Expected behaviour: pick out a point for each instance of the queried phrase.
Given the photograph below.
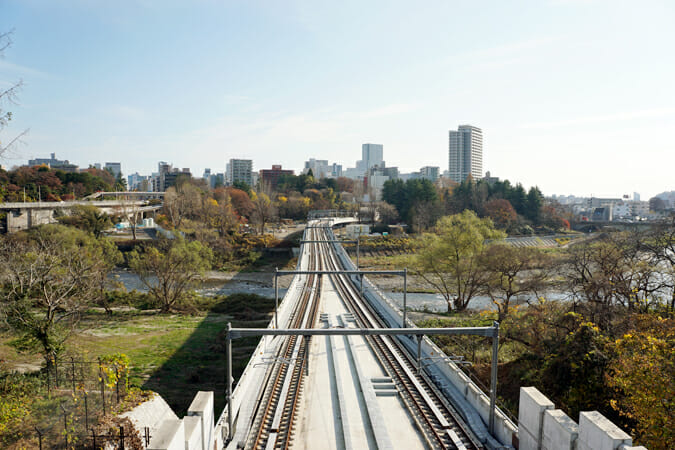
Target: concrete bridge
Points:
(24, 215)
(126, 194)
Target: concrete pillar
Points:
(170, 436)
(596, 432)
(531, 410)
(193, 433)
(559, 431)
(202, 406)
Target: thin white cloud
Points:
(616, 117)
(21, 70)
(388, 110)
(125, 112)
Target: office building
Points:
(137, 182)
(319, 168)
(430, 173)
(465, 153)
(239, 170)
(371, 156)
(114, 167)
(56, 164)
(270, 177)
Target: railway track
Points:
(274, 422)
(437, 420)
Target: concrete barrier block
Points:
(169, 436)
(531, 417)
(202, 406)
(193, 433)
(559, 431)
(151, 414)
(596, 432)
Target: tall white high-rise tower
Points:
(465, 153)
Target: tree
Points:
(120, 183)
(410, 197)
(131, 212)
(512, 271)
(49, 276)
(88, 218)
(533, 204)
(220, 215)
(7, 96)
(657, 204)
(609, 273)
(566, 355)
(501, 212)
(344, 184)
(181, 202)
(643, 370)
(241, 202)
(448, 259)
(263, 210)
(170, 270)
(424, 215)
(387, 213)
(660, 243)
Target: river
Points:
(261, 283)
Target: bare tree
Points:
(511, 272)
(8, 96)
(49, 276)
(660, 243)
(131, 211)
(170, 271)
(182, 202)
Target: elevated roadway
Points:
(356, 389)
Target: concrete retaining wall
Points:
(541, 427)
(196, 431)
(28, 218)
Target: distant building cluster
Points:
(115, 168)
(370, 172)
(594, 209)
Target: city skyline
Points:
(574, 97)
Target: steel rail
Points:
(391, 352)
(274, 420)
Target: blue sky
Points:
(574, 96)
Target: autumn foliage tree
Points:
(501, 212)
(643, 371)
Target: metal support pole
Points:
(405, 297)
(307, 341)
(72, 365)
(361, 286)
(358, 252)
(276, 298)
(86, 412)
(228, 382)
(419, 354)
(493, 378)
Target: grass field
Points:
(175, 355)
